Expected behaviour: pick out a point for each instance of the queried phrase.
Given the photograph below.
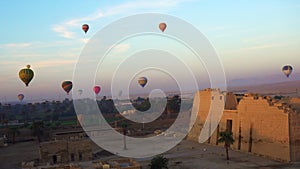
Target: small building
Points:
(65, 151)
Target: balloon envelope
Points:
(67, 86)
(162, 26)
(287, 70)
(85, 28)
(80, 91)
(120, 93)
(142, 81)
(20, 97)
(26, 75)
(97, 89)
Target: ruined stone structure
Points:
(66, 147)
(259, 124)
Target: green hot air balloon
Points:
(67, 86)
(80, 91)
(26, 75)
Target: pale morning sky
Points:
(252, 38)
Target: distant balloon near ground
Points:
(142, 81)
(85, 28)
(287, 70)
(80, 91)
(26, 75)
(120, 93)
(97, 89)
(162, 26)
(20, 97)
(67, 86)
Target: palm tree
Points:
(159, 162)
(226, 138)
(124, 126)
(37, 128)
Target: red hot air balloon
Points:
(85, 28)
(67, 86)
(162, 26)
(97, 89)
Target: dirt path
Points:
(12, 156)
(191, 155)
(186, 155)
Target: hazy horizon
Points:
(253, 39)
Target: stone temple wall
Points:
(257, 125)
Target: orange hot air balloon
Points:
(20, 97)
(67, 86)
(162, 26)
(85, 28)
(97, 89)
(26, 75)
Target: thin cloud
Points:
(15, 45)
(218, 28)
(65, 29)
(262, 46)
(53, 63)
(121, 48)
(84, 40)
(257, 47)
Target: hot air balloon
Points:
(80, 91)
(20, 97)
(26, 75)
(97, 89)
(67, 86)
(142, 81)
(287, 70)
(120, 93)
(85, 28)
(162, 26)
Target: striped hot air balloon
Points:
(67, 86)
(85, 28)
(26, 75)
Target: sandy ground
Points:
(186, 155)
(12, 156)
(191, 155)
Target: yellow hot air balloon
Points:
(26, 75)
(142, 81)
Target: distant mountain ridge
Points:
(291, 88)
(262, 80)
